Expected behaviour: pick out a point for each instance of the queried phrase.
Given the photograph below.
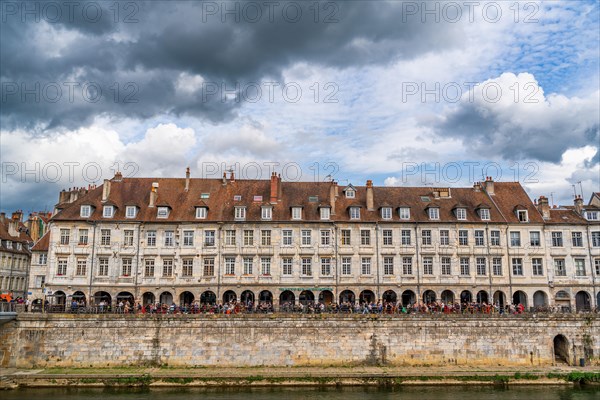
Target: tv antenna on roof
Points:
(552, 198)
(574, 191)
(580, 189)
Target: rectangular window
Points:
(151, 238)
(515, 239)
(306, 266)
(557, 240)
(517, 266)
(149, 268)
(536, 266)
(559, 267)
(591, 215)
(296, 212)
(354, 213)
(426, 237)
(83, 236)
(479, 238)
(596, 239)
(388, 240)
(40, 281)
(306, 237)
(248, 238)
(187, 267)
(168, 268)
(465, 266)
(434, 213)
(265, 266)
(286, 266)
(481, 266)
(444, 237)
(597, 266)
(461, 214)
(365, 237)
(266, 213)
(405, 237)
(484, 214)
(325, 213)
(126, 267)
(388, 265)
(365, 265)
(229, 265)
(169, 235)
(522, 215)
(386, 213)
(188, 238)
(287, 237)
(580, 267)
(64, 236)
(497, 266)
(577, 239)
(427, 265)
(346, 265)
(248, 265)
(345, 237)
(61, 267)
(130, 211)
(265, 237)
(325, 237)
(326, 266)
(495, 238)
(43, 259)
(463, 238)
(407, 266)
(240, 213)
(107, 212)
(81, 267)
(209, 266)
(128, 237)
(105, 237)
(201, 212)
(162, 212)
(446, 265)
(534, 239)
(103, 266)
(230, 237)
(209, 238)
(85, 211)
(404, 213)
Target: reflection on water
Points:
(351, 393)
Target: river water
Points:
(348, 393)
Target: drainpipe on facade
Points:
(337, 263)
(510, 288)
(377, 260)
(137, 266)
(489, 264)
(220, 250)
(92, 264)
(592, 267)
(417, 265)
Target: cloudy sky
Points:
(404, 93)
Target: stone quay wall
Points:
(267, 340)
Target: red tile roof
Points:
(43, 243)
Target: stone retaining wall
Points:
(114, 340)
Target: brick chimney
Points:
(17, 216)
(489, 185)
(2, 217)
(153, 194)
(187, 179)
(578, 205)
(224, 178)
(333, 193)
(63, 196)
(370, 205)
(477, 187)
(13, 224)
(118, 177)
(232, 176)
(274, 188)
(105, 190)
(544, 207)
(279, 188)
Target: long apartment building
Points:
(215, 240)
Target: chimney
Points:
(232, 176)
(279, 188)
(370, 205)
(187, 179)
(332, 195)
(477, 187)
(544, 207)
(153, 194)
(17, 216)
(63, 197)
(578, 205)
(2, 217)
(274, 188)
(224, 178)
(118, 176)
(105, 190)
(489, 185)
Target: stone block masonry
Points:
(34, 341)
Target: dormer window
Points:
(296, 212)
(404, 213)
(325, 213)
(201, 212)
(85, 211)
(267, 213)
(354, 212)
(130, 211)
(386, 212)
(591, 215)
(240, 213)
(108, 211)
(434, 213)
(204, 195)
(162, 212)
(350, 194)
(461, 214)
(522, 215)
(18, 246)
(9, 244)
(484, 214)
